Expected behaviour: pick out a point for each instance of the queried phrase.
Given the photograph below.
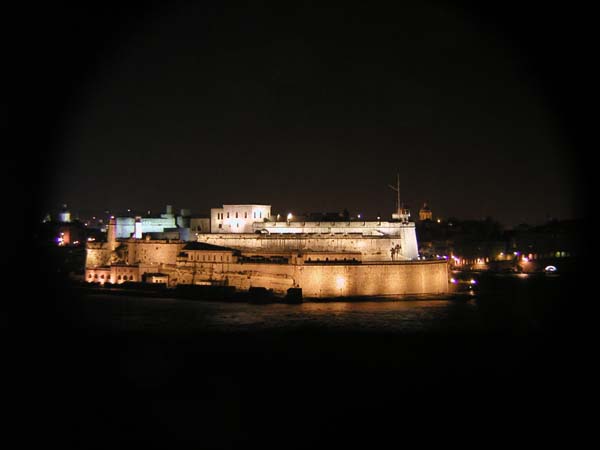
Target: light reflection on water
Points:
(170, 315)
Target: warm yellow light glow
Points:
(289, 216)
(340, 282)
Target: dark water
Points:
(168, 316)
(233, 375)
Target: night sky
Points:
(309, 108)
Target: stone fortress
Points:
(246, 246)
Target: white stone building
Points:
(237, 218)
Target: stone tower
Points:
(111, 234)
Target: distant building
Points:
(168, 222)
(64, 215)
(425, 213)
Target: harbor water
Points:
(224, 375)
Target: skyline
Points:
(85, 215)
(310, 109)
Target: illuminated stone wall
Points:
(372, 248)
(97, 254)
(373, 279)
(278, 277)
(366, 228)
(134, 251)
(152, 252)
(322, 280)
(316, 279)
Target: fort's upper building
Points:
(258, 219)
(237, 218)
(253, 226)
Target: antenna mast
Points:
(401, 214)
(397, 189)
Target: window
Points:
(228, 215)
(236, 215)
(254, 213)
(260, 214)
(245, 215)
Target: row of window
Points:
(108, 277)
(207, 257)
(220, 215)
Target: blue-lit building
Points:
(177, 226)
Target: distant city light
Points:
(289, 216)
